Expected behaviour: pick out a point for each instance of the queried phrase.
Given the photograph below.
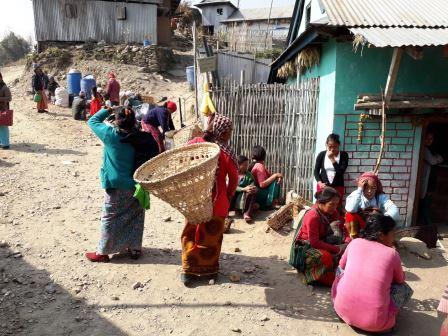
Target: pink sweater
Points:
(361, 296)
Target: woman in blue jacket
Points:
(122, 219)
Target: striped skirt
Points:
(122, 222)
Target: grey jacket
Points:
(5, 96)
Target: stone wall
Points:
(396, 166)
(153, 58)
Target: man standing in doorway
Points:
(429, 179)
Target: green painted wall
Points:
(326, 70)
(366, 72)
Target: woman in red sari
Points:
(318, 225)
(201, 242)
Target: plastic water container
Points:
(87, 83)
(74, 82)
(190, 76)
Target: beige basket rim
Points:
(168, 153)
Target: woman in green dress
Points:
(244, 198)
(269, 184)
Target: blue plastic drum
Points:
(74, 82)
(87, 83)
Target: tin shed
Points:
(83, 20)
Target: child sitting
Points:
(368, 199)
(97, 101)
(244, 198)
(52, 86)
(269, 184)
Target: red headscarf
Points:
(171, 105)
(111, 75)
(221, 124)
(372, 177)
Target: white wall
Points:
(210, 15)
(316, 14)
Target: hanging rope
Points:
(383, 137)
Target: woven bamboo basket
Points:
(184, 178)
(281, 217)
(148, 99)
(186, 134)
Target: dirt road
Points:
(50, 202)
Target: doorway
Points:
(433, 179)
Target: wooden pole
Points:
(393, 72)
(391, 80)
(269, 22)
(196, 100)
(242, 77)
(180, 113)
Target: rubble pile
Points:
(151, 58)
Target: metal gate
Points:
(282, 119)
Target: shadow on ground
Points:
(287, 295)
(32, 304)
(26, 147)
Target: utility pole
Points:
(269, 22)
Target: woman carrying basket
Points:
(201, 242)
(122, 219)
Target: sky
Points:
(17, 15)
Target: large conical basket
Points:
(186, 134)
(184, 178)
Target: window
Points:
(308, 15)
(70, 11)
(121, 13)
(220, 11)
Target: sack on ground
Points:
(62, 97)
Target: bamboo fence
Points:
(282, 119)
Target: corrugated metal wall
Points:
(231, 64)
(95, 20)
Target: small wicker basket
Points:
(186, 134)
(281, 217)
(184, 178)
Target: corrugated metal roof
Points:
(387, 13)
(254, 14)
(401, 37)
(214, 2)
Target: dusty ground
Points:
(50, 200)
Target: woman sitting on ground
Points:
(96, 102)
(369, 288)
(244, 198)
(269, 184)
(320, 227)
(123, 217)
(368, 199)
(201, 242)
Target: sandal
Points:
(187, 279)
(227, 224)
(135, 254)
(95, 257)
(248, 219)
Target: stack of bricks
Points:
(396, 166)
